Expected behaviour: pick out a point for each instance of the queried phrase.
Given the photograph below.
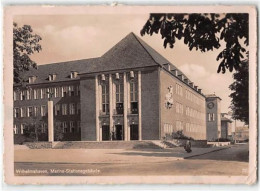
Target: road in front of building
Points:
(228, 161)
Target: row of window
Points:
(120, 98)
(66, 126)
(179, 108)
(43, 93)
(35, 111)
(52, 77)
(188, 95)
(194, 113)
(189, 127)
(193, 98)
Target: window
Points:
(179, 108)
(77, 90)
(72, 126)
(64, 109)
(57, 109)
(52, 77)
(105, 99)
(36, 111)
(22, 95)
(134, 97)
(43, 110)
(72, 108)
(178, 89)
(211, 117)
(29, 94)
(44, 93)
(119, 99)
(179, 125)
(22, 128)
(32, 79)
(44, 128)
(30, 111)
(16, 112)
(71, 91)
(16, 95)
(65, 127)
(78, 108)
(15, 129)
(23, 112)
(64, 90)
(73, 74)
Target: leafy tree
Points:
(239, 103)
(204, 32)
(25, 43)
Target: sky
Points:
(74, 37)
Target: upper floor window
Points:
(57, 109)
(71, 90)
(72, 108)
(211, 116)
(52, 77)
(30, 111)
(16, 112)
(23, 95)
(72, 126)
(134, 96)
(178, 89)
(64, 109)
(32, 79)
(119, 98)
(73, 74)
(105, 98)
(43, 110)
(37, 111)
(15, 129)
(23, 112)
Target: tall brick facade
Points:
(129, 93)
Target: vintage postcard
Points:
(130, 94)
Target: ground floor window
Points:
(134, 134)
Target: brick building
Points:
(129, 93)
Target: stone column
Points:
(50, 121)
(125, 108)
(139, 106)
(110, 103)
(97, 108)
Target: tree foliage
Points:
(25, 43)
(204, 32)
(239, 95)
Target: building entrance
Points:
(105, 133)
(134, 132)
(119, 132)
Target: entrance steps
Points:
(107, 145)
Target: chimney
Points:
(199, 90)
(167, 66)
(191, 84)
(196, 88)
(175, 72)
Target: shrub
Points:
(180, 135)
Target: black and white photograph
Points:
(109, 94)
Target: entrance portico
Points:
(118, 106)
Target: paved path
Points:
(230, 161)
(106, 155)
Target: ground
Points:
(231, 160)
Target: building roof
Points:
(226, 119)
(212, 96)
(131, 52)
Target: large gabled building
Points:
(129, 93)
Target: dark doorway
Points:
(119, 132)
(133, 132)
(105, 133)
